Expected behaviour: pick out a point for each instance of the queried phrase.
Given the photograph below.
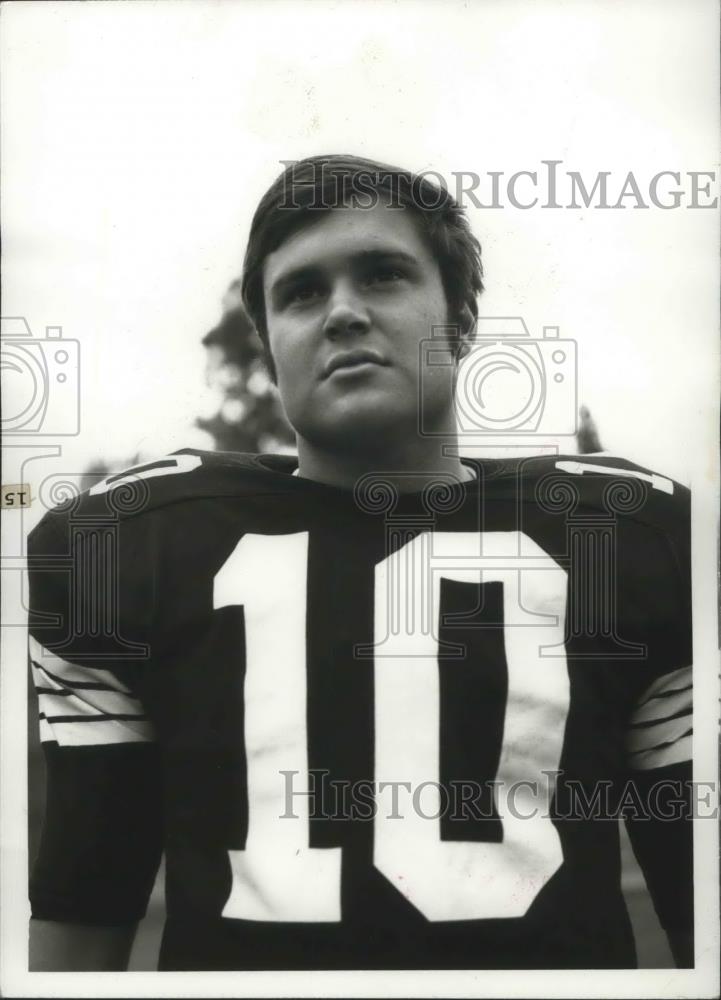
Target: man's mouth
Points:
(352, 359)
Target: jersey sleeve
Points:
(90, 648)
(661, 829)
(659, 742)
(659, 732)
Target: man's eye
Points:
(385, 274)
(304, 293)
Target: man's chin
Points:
(369, 426)
(374, 422)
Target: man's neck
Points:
(408, 471)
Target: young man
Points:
(381, 707)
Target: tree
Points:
(249, 415)
(587, 438)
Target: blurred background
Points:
(138, 138)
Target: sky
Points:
(138, 137)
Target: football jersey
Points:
(368, 728)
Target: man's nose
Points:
(346, 313)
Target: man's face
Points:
(348, 300)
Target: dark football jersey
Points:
(368, 728)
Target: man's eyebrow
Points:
(290, 278)
(386, 253)
(365, 257)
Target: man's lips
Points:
(350, 359)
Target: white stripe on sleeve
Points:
(83, 705)
(661, 727)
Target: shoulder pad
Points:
(607, 484)
(187, 474)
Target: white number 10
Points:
(278, 876)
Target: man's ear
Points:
(467, 322)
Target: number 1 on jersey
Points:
(278, 876)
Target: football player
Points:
(380, 706)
